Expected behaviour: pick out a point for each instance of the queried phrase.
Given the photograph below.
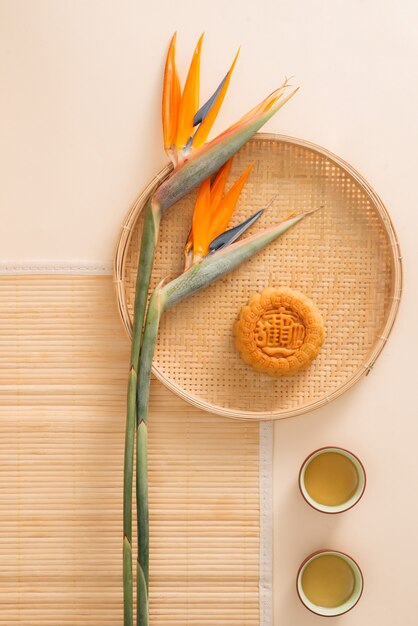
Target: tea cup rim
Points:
(311, 557)
(332, 510)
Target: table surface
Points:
(80, 128)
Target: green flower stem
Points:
(127, 499)
(150, 230)
(146, 261)
(155, 310)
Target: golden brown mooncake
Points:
(279, 332)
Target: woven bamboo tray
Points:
(345, 257)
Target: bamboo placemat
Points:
(63, 365)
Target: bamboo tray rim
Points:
(368, 363)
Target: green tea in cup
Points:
(332, 480)
(329, 583)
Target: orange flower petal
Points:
(205, 127)
(226, 207)
(171, 97)
(190, 99)
(201, 219)
(218, 186)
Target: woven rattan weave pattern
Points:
(345, 257)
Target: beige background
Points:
(80, 135)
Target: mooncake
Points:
(279, 332)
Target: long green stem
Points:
(146, 261)
(127, 499)
(150, 230)
(154, 312)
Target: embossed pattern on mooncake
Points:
(279, 332)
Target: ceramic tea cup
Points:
(329, 583)
(332, 479)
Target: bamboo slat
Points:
(63, 373)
